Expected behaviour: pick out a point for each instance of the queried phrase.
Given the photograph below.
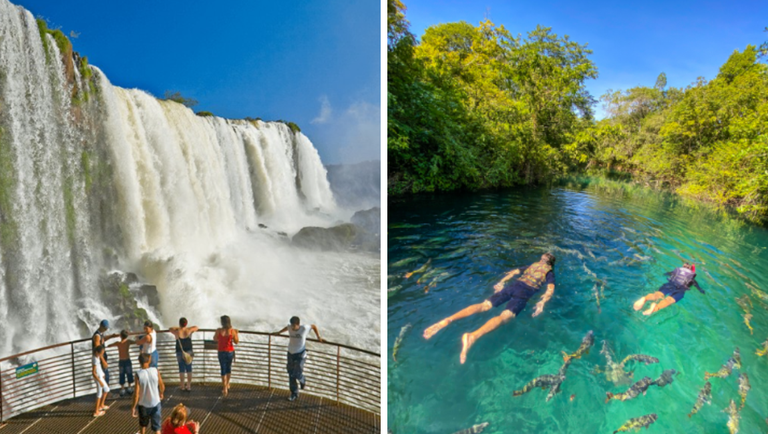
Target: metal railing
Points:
(338, 372)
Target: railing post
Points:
(72, 351)
(205, 365)
(1, 397)
(338, 370)
(269, 362)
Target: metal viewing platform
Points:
(51, 390)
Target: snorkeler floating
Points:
(516, 296)
(680, 280)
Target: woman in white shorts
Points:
(102, 388)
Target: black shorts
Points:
(150, 415)
(671, 290)
(516, 296)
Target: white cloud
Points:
(325, 111)
(351, 136)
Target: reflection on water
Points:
(613, 244)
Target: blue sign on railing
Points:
(26, 370)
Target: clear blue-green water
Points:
(627, 237)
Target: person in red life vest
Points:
(680, 280)
(177, 422)
(515, 296)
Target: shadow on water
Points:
(613, 243)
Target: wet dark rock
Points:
(262, 226)
(119, 292)
(150, 291)
(370, 220)
(342, 237)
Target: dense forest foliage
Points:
(473, 107)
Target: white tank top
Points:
(149, 395)
(150, 347)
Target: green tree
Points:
(179, 98)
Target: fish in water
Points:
(747, 317)
(476, 429)
(736, 271)
(638, 422)
(405, 261)
(429, 274)
(586, 343)
(733, 417)
(421, 269)
(665, 378)
(640, 358)
(764, 350)
(393, 290)
(705, 397)
(544, 381)
(407, 238)
(399, 340)
(635, 390)
(555, 389)
(758, 293)
(744, 387)
(439, 278)
(727, 368)
(614, 372)
(745, 302)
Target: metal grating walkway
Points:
(247, 409)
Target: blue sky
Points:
(632, 41)
(316, 63)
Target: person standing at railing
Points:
(148, 343)
(125, 365)
(148, 395)
(297, 354)
(98, 338)
(184, 351)
(102, 387)
(226, 338)
(177, 422)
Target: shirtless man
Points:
(515, 296)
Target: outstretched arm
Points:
(696, 284)
(544, 299)
(282, 330)
(499, 286)
(317, 333)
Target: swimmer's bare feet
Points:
(466, 342)
(650, 309)
(639, 303)
(431, 330)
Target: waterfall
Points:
(96, 177)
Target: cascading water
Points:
(95, 177)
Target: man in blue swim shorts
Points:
(515, 296)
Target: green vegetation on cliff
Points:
(472, 107)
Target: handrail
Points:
(347, 375)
